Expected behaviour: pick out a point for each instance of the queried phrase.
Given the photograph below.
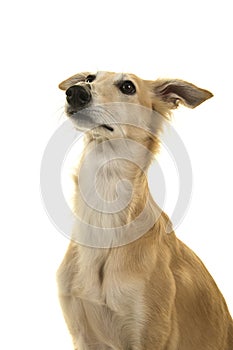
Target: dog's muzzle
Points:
(78, 96)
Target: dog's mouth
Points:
(86, 119)
(73, 115)
(108, 127)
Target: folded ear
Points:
(174, 92)
(73, 80)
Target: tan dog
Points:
(137, 287)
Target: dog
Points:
(127, 282)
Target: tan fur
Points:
(153, 293)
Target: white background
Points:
(43, 43)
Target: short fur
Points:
(153, 293)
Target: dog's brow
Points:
(100, 74)
(119, 78)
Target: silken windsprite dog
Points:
(127, 282)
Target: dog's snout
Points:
(78, 96)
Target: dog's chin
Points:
(89, 126)
(87, 122)
(88, 119)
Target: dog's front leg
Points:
(71, 310)
(75, 317)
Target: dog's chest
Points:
(109, 300)
(101, 282)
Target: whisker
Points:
(60, 114)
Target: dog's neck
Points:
(112, 187)
(112, 176)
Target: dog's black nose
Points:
(78, 96)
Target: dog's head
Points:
(107, 101)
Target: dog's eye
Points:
(90, 78)
(127, 87)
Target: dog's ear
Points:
(64, 85)
(174, 92)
